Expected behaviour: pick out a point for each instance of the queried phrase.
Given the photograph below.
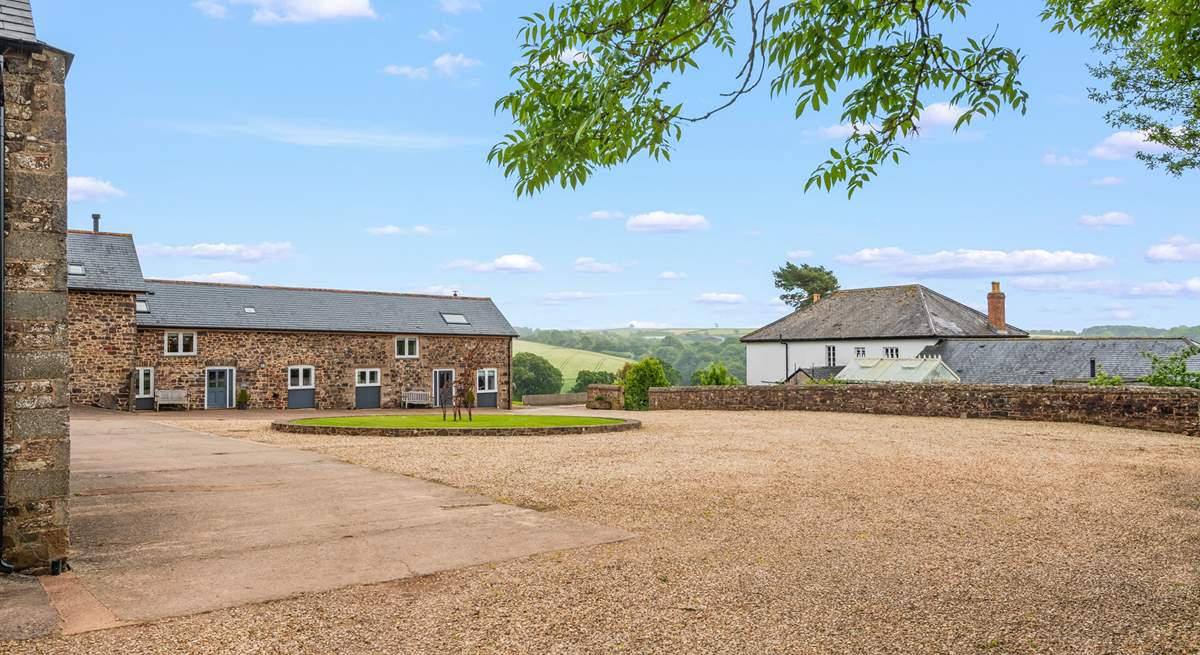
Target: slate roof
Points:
(203, 305)
(872, 369)
(1045, 360)
(16, 21)
(110, 262)
(906, 311)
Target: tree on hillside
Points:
(799, 283)
(584, 378)
(595, 83)
(534, 375)
(714, 375)
(639, 378)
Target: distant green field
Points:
(571, 361)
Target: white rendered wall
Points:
(765, 360)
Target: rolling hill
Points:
(571, 361)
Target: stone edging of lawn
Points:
(300, 428)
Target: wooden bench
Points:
(171, 397)
(415, 398)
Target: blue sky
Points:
(342, 143)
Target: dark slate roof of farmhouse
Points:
(16, 21)
(911, 310)
(204, 305)
(110, 262)
(1045, 360)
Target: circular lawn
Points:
(433, 424)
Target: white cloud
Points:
(1124, 144)
(573, 56)
(381, 230)
(325, 136)
(1118, 311)
(1051, 159)
(646, 325)
(661, 221)
(307, 11)
(240, 252)
(226, 277)
(439, 290)
(1175, 249)
(1108, 180)
(966, 262)
(459, 6)
(940, 113)
(450, 65)
(798, 254)
(721, 298)
(437, 36)
(1106, 219)
(91, 188)
(502, 264)
(604, 215)
(590, 265)
(1063, 284)
(671, 275)
(412, 73)
(562, 297)
(210, 8)
(839, 131)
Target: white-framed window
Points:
(366, 377)
(145, 382)
(407, 348)
(455, 319)
(485, 380)
(179, 343)
(301, 377)
(141, 306)
(831, 355)
(860, 352)
(891, 352)
(76, 269)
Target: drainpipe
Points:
(5, 567)
(787, 365)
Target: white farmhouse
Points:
(882, 322)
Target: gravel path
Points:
(771, 532)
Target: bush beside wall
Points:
(1160, 409)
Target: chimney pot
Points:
(95, 222)
(996, 309)
(816, 297)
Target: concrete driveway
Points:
(168, 522)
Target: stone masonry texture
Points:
(36, 354)
(261, 360)
(103, 334)
(1143, 408)
(605, 396)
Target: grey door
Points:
(366, 397)
(440, 378)
(217, 388)
(486, 398)
(302, 398)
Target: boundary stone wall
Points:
(555, 398)
(605, 396)
(1159, 409)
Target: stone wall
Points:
(554, 398)
(262, 360)
(103, 331)
(1160, 409)
(605, 396)
(36, 349)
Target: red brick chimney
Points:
(996, 309)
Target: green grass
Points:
(435, 421)
(571, 361)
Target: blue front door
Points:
(217, 388)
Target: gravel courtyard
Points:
(770, 532)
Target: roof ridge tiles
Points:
(233, 285)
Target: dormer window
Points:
(76, 269)
(141, 306)
(455, 319)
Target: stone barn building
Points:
(132, 338)
(35, 451)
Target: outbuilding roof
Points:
(1047, 360)
(872, 369)
(102, 261)
(16, 21)
(205, 305)
(908, 311)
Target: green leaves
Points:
(576, 115)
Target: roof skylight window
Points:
(76, 269)
(455, 319)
